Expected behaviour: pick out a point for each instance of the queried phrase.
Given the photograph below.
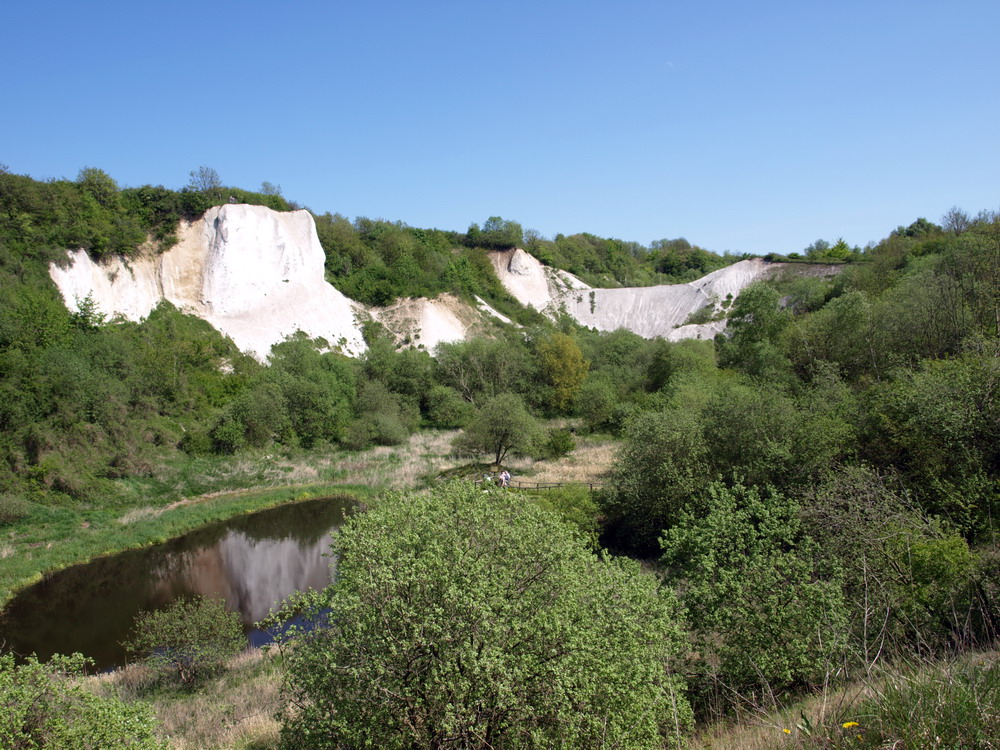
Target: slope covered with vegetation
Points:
(818, 488)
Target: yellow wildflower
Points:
(787, 731)
(849, 724)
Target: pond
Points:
(252, 561)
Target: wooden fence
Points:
(523, 484)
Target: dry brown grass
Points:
(761, 728)
(590, 462)
(425, 454)
(140, 514)
(235, 710)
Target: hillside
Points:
(829, 463)
(257, 276)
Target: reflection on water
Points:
(252, 561)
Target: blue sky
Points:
(743, 126)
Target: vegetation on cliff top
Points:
(818, 487)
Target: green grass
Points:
(185, 492)
(910, 705)
(54, 538)
(950, 705)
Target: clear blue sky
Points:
(744, 126)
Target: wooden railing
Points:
(523, 484)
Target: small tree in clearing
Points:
(190, 638)
(501, 425)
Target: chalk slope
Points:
(255, 274)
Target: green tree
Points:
(501, 425)
(204, 179)
(482, 621)
(757, 433)
(598, 402)
(755, 324)
(763, 609)
(189, 639)
(482, 368)
(100, 185)
(45, 705)
(318, 388)
(497, 234)
(269, 188)
(446, 408)
(662, 464)
(563, 367)
(910, 581)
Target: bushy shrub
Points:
(447, 408)
(189, 639)
(558, 444)
(576, 505)
(596, 402)
(661, 465)
(375, 429)
(913, 574)
(44, 705)
(764, 610)
(482, 620)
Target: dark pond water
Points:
(252, 561)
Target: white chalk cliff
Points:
(255, 274)
(648, 311)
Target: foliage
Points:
(763, 610)
(502, 425)
(661, 465)
(599, 403)
(446, 408)
(940, 426)
(46, 706)
(559, 443)
(497, 234)
(910, 582)
(376, 262)
(318, 388)
(189, 639)
(562, 365)
(948, 704)
(383, 417)
(575, 504)
(483, 368)
(756, 321)
(759, 434)
(482, 621)
(204, 179)
(93, 213)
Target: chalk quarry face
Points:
(257, 276)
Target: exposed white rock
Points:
(484, 306)
(255, 274)
(425, 323)
(662, 310)
(648, 311)
(530, 282)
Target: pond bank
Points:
(56, 538)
